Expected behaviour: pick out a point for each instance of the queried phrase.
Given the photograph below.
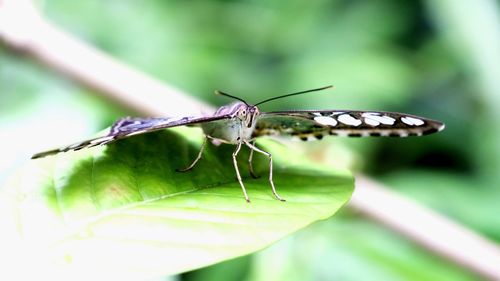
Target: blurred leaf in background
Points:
(432, 58)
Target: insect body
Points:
(241, 123)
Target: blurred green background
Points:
(437, 59)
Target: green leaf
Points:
(122, 209)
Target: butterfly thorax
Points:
(235, 129)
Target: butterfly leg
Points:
(253, 147)
(235, 153)
(250, 165)
(195, 160)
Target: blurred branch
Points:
(426, 227)
(23, 29)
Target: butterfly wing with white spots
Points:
(309, 125)
(240, 123)
(128, 126)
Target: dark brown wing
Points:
(127, 127)
(308, 125)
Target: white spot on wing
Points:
(376, 117)
(368, 114)
(136, 133)
(349, 120)
(327, 121)
(336, 113)
(412, 121)
(341, 133)
(371, 122)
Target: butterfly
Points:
(240, 123)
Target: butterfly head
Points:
(247, 114)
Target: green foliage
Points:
(432, 58)
(350, 246)
(82, 206)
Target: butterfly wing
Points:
(308, 125)
(128, 126)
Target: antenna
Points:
(292, 94)
(217, 92)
